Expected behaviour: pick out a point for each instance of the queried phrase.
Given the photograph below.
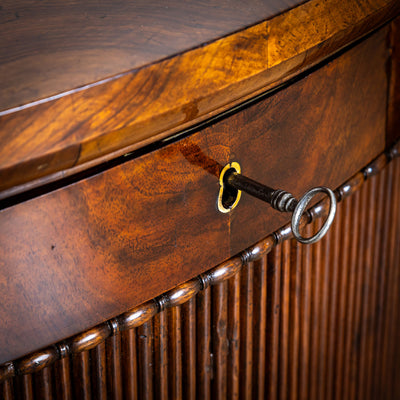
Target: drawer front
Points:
(79, 255)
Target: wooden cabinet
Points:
(120, 278)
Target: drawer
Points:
(81, 254)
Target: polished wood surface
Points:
(58, 47)
(286, 321)
(108, 281)
(70, 258)
(79, 128)
(393, 128)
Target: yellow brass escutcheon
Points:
(223, 205)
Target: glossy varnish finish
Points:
(71, 257)
(331, 312)
(84, 127)
(393, 124)
(62, 46)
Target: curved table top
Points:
(83, 83)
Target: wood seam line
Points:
(137, 316)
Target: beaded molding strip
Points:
(137, 316)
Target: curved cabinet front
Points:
(77, 256)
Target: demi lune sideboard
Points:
(120, 277)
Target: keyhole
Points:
(228, 197)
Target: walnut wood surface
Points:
(332, 313)
(393, 128)
(57, 47)
(79, 255)
(84, 127)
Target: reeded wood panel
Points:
(307, 322)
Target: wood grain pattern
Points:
(393, 127)
(312, 277)
(62, 46)
(120, 247)
(324, 320)
(245, 148)
(65, 134)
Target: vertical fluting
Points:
(366, 289)
(175, 352)
(6, 390)
(189, 349)
(81, 376)
(24, 387)
(359, 293)
(233, 334)
(386, 269)
(260, 327)
(44, 384)
(283, 384)
(161, 355)
(220, 339)
(372, 284)
(332, 306)
(395, 383)
(204, 360)
(393, 290)
(304, 321)
(145, 360)
(348, 370)
(99, 372)
(294, 317)
(129, 364)
(315, 331)
(353, 339)
(342, 294)
(274, 311)
(113, 350)
(324, 304)
(246, 330)
(62, 379)
(380, 278)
